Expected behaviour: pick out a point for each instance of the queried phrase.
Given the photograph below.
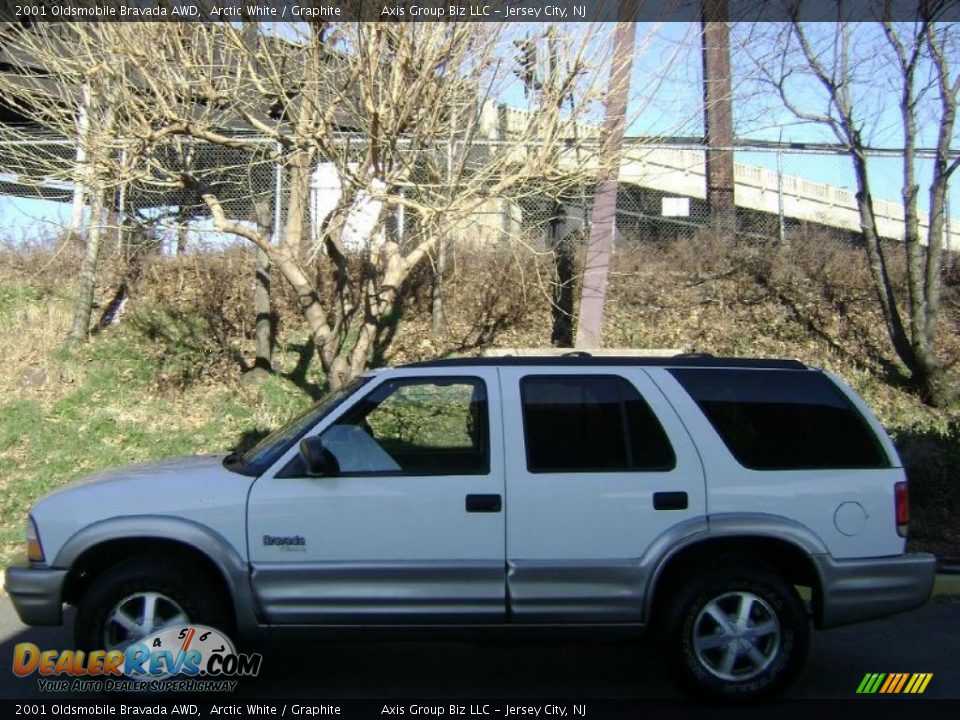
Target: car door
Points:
(409, 525)
(602, 470)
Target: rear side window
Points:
(783, 420)
(590, 423)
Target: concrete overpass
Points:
(678, 171)
(649, 174)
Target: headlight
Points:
(34, 548)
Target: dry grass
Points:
(167, 380)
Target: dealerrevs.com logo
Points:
(189, 658)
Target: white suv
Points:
(693, 497)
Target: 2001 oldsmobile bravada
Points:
(689, 497)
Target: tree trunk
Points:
(563, 298)
(593, 287)
(564, 246)
(381, 294)
(313, 313)
(265, 332)
(298, 201)
(140, 249)
(181, 237)
(83, 303)
(882, 283)
(436, 308)
(265, 329)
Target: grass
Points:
(122, 399)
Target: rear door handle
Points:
(670, 501)
(484, 503)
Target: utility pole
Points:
(604, 218)
(80, 169)
(718, 116)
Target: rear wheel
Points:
(737, 632)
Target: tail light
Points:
(902, 505)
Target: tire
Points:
(736, 632)
(178, 592)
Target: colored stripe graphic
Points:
(900, 682)
(894, 683)
(862, 688)
(870, 683)
(922, 684)
(892, 679)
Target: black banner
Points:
(534, 11)
(406, 709)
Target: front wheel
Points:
(736, 632)
(142, 596)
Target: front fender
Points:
(194, 535)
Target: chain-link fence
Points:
(779, 194)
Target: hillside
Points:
(168, 379)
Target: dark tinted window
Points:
(783, 420)
(588, 423)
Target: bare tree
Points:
(79, 103)
(843, 77)
(398, 114)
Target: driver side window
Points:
(417, 426)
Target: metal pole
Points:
(718, 117)
(81, 172)
(122, 200)
(780, 210)
(401, 216)
(604, 218)
(948, 240)
(278, 197)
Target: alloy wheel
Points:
(736, 636)
(138, 616)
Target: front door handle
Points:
(484, 503)
(670, 501)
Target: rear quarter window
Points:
(591, 423)
(783, 419)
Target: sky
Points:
(665, 101)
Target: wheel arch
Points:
(102, 545)
(780, 544)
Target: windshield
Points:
(261, 456)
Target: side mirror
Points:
(317, 460)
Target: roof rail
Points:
(580, 352)
(703, 361)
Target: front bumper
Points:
(37, 594)
(867, 588)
